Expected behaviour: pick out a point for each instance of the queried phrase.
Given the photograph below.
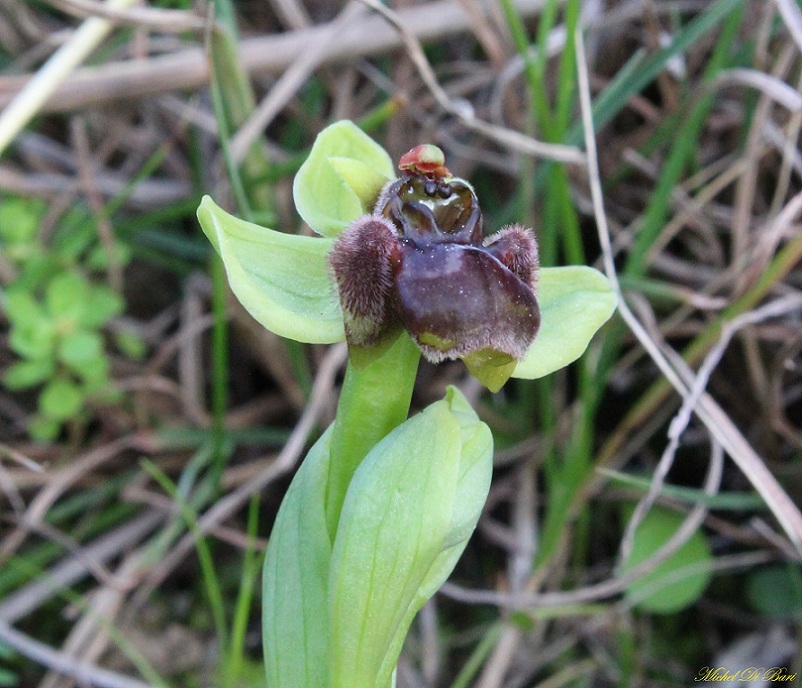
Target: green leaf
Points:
(282, 280)
(44, 429)
(98, 258)
(61, 400)
(100, 389)
(575, 301)
(8, 679)
(34, 340)
(776, 591)
(38, 265)
(94, 374)
(296, 571)
(73, 237)
(80, 348)
(736, 501)
(341, 178)
(131, 345)
(67, 296)
(24, 374)
(681, 579)
(105, 302)
(19, 220)
(409, 510)
(22, 308)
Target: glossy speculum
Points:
(420, 261)
(433, 210)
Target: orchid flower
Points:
(288, 285)
(383, 506)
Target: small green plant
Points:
(56, 314)
(383, 506)
(677, 582)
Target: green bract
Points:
(336, 614)
(284, 281)
(295, 584)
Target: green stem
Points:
(375, 398)
(219, 371)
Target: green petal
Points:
(282, 280)
(407, 516)
(341, 178)
(575, 301)
(296, 572)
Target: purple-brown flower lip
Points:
(420, 261)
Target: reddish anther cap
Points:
(425, 159)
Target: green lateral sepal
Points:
(282, 280)
(575, 301)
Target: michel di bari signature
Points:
(754, 673)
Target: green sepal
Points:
(341, 178)
(294, 622)
(282, 280)
(575, 301)
(409, 510)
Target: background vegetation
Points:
(148, 427)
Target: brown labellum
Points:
(421, 261)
